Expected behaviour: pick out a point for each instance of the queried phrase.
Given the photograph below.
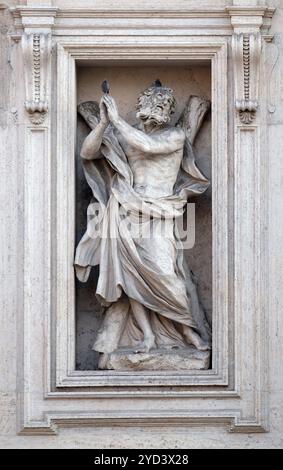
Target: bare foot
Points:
(146, 345)
(193, 338)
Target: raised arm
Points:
(168, 142)
(91, 146)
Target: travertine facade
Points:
(41, 42)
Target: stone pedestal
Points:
(159, 359)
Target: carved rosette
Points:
(246, 49)
(37, 52)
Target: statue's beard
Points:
(154, 116)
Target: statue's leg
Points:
(193, 338)
(142, 319)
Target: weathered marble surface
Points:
(145, 169)
(126, 83)
(123, 436)
(183, 359)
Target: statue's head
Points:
(156, 104)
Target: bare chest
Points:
(154, 175)
(165, 164)
(158, 167)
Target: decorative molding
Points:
(234, 394)
(67, 54)
(98, 21)
(21, 11)
(246, 50)
(250, 19)
(209, 12)
(37, 12)
(54, 421)
(37, 52)
(250, 24)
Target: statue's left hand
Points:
(111, 108)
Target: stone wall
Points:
(11, 230)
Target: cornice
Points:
(140, 13)
(118, 13)
(22, 11)
(250, 19)
(266, 12)
(222, 20)
(130, 13)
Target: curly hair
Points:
(154, 89)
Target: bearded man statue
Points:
(141, 177)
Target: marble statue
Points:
(152, 315)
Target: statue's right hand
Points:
(104, 119)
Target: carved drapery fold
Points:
(246, 49)
(37, 52)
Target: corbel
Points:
(246, 49)
(250, 25)
(37, 54)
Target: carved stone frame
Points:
(68, 54)
(51, 392)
